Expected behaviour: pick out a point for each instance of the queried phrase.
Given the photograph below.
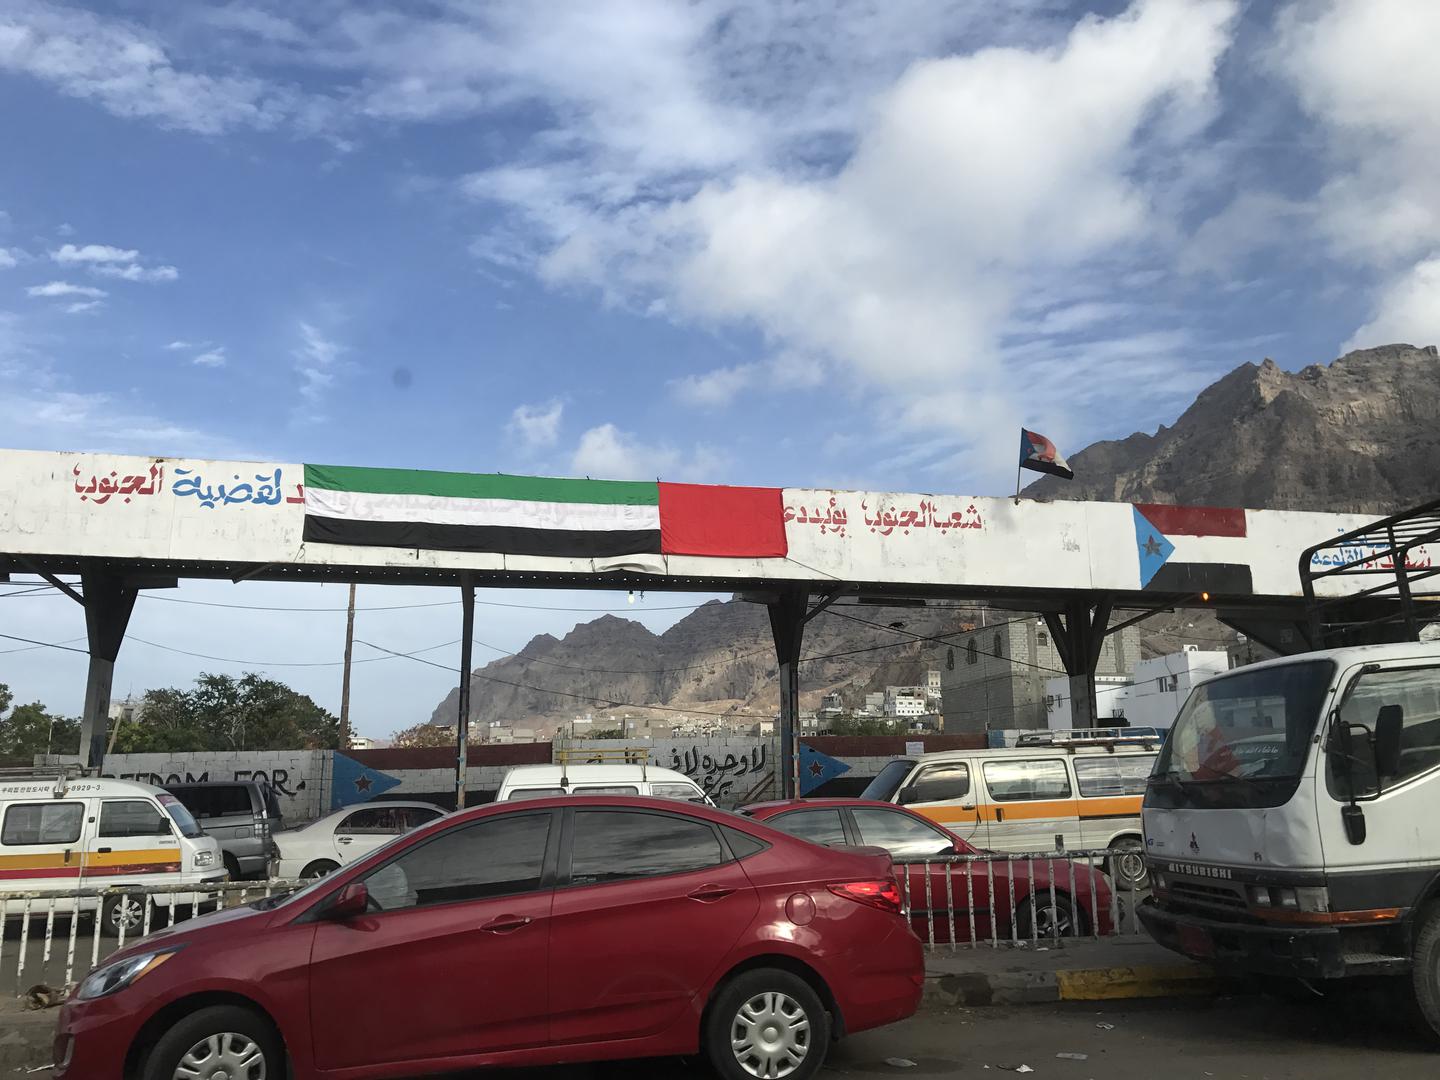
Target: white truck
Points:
(1292, 822)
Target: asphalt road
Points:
(1227, 1038)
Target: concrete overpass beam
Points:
(109, 600)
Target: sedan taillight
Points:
(883, 894)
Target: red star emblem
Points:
(816, 768)
(362, 783)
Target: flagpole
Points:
(1018, 468)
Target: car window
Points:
(1025, 781)
(817, 826)
(233, 801)
(1416, 693)
(939, 783)
(412, 817)
(496, 857)
(132, 817)
(1111, 775)
(613, 845)
(199, 801)
(900, 834)
(42, 823)
(687, 792)
(535, 793)
(373, 820)
(181, 816)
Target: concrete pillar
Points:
(108, 604)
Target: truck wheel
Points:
(232, 867)
(1127, 865)
(1425, 972)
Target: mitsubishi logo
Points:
(1194, 844)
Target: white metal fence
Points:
(1015, 900)
(43, 933)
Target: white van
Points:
(543, 781)
(1072, 792)
(92, 832)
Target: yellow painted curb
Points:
(1107, 984)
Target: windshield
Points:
(1252, 725)
(887, 783)
(182, 817)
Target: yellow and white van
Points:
(91, 833)
(1056, 792)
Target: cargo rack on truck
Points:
(1405, 595)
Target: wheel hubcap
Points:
(127, 913)
(1132, 867)
(1052, 920)
(225, 1056)
(770, 1035)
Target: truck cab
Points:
(1289, 823)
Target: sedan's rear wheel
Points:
(767, 1025)
(318, 868)
(1038, 917)
(221, 1041)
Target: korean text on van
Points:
(94, 833)
(1062, 793)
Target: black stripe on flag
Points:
(1222, 579)
(495, 539)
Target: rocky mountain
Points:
(718, 659)
(1359, 435)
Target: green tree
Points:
(424, 735)
(862, 725)
(225, 713)
(31, 729)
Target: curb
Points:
(1081, 984)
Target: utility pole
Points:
(345, 681)
(462, 723)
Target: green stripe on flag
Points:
(481, 486)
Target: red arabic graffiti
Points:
(102, 489)
(887, 519)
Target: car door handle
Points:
(343, 839)
(98, 851)
(999, 813)
(506, 924)
(708, 894)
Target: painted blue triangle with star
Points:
(353, 782)
(817, 769)
(1153, 547)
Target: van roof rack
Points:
(61, 775)
(618, 755)
(1109, 738)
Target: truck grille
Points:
(1207, 895)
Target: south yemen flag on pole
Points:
(541, 516)
(1039, 453)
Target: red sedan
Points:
(534, 933)
(1081, 903)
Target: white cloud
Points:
(1363, 71)
(537, 426)
(975, 180)
(93, 253)
(211, 358)
(84, 307)
(316, 362)
(717, 388)
(65, 288)
(1408, 310)
(65, 229)
(134, 272)
(8, 259)
(606, 452)
(127, 71)
(175, 346)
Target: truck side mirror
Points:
(1389, 723)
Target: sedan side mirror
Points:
(350, 903)
(907, 796)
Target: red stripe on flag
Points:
(1194, 520)
(738, 522)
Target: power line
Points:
(606, 702)
(43, 644)
(281, 663)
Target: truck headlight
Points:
(204, 858)
(113, 978)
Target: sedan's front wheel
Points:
(767, 1025)
(221, 1041)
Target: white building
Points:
(932, 682)
(1151, 698)
(905, 701)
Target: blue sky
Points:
(851, 244)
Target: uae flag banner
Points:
(1039, 453)
(541, 516)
